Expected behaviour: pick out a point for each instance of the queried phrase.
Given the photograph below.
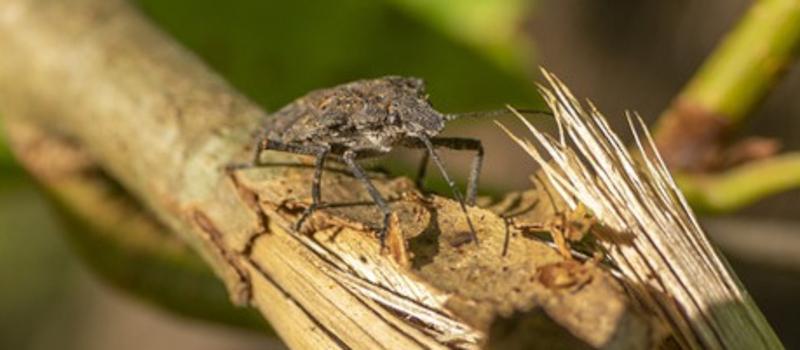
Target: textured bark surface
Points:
(95, 75)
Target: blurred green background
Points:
(474, 54)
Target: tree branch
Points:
(158, 122)
(116, 237)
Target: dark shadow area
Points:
(425, 246)
(531, 330)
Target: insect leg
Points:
(423, 169)
(319, 151)
(316, 195)
(460, 143)
(350, 159)
(310, 150)
(436, 160)
(261, 144)
(455, 143)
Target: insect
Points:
(564, 227)
(364, 119)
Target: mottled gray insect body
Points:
(366, 115)
(363, 119)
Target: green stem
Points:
(743, 185)
(748, 62)
(731, 83)
(726, 89)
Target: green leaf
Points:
(275, 51)
(492, 27)
(9, 171)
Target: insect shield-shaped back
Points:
(372, 114)
(386, 110)
(408, 101)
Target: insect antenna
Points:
(436, 160)
(499, 113)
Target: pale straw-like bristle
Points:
(670, 265)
